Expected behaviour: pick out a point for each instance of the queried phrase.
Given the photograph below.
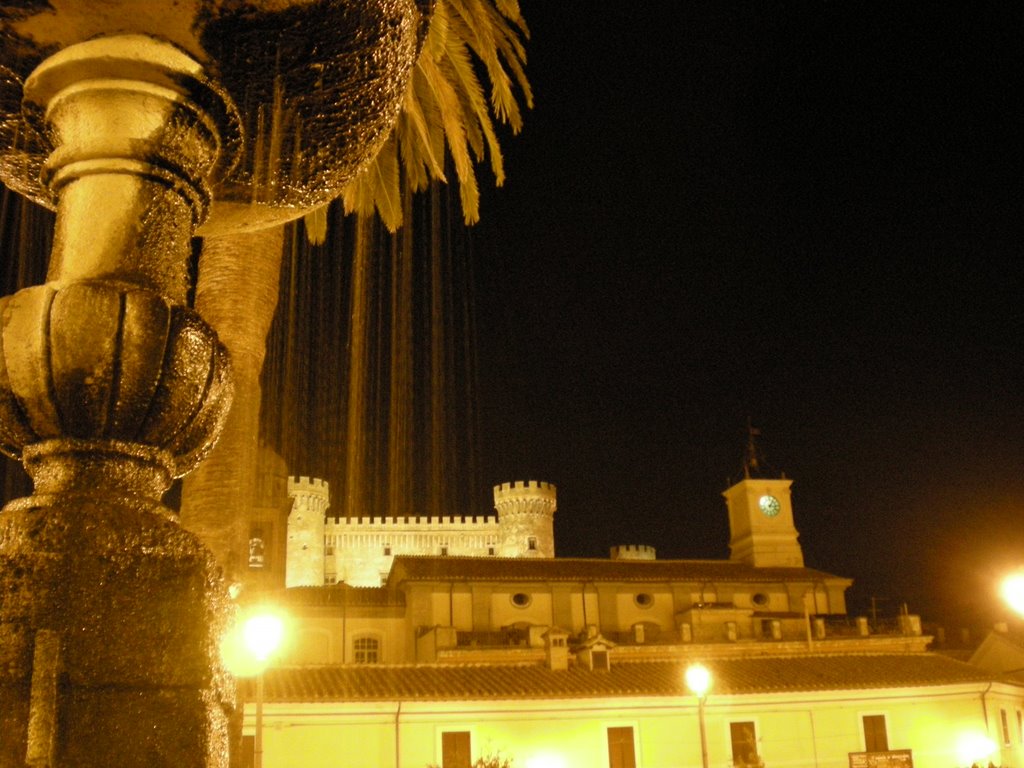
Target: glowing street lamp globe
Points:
(1013, 591)
(698, 680)
(262, 634)
(246, 649)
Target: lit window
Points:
(256, 549)
(367, 650)
(876, 737)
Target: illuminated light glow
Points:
(246, 648)
(698, 679)
(263, 634)
(974, 747)
(1013, 591)
(546, 761)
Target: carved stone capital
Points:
(98, 361)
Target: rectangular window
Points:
(387, 549)
(876, 738)
(444, 550)
(620, 748)
(455, 749)
(1020, 727)
(367, 650)
(1005, 723)
(531, 543)
(743, 736)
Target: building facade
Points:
(556, 662)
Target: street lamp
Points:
(1013, 591)
(246, 652)
(698, 680)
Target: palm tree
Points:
(237, 288)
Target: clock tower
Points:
(761, 523)
(762, 532)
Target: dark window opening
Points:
(620, 748)
(455, 749)
(876, 739)
(743, 736)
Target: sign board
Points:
(894, 758)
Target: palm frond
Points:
(445, 105)
(376, 188)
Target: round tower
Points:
(304, 564)
(526, 518)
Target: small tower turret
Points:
(526, 518)
(305, 561)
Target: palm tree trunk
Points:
(236, 292)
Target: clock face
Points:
(769, 505)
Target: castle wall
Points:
(362, 549)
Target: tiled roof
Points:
(656, 678)
(424, 568)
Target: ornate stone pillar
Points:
(110, 386)
(110, 612)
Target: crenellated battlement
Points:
(521, 486)
(633, 552)
(310, 485)
(411, 522)
(530, 496)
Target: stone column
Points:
(110, 612)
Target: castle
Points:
(360, 551)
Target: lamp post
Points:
(262, 633)
(247, 652)
(698, 680)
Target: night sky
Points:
(801, 214)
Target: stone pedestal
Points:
(110, 612)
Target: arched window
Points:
(366, 650)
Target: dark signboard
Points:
(894, 758)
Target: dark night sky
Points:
(804, 214)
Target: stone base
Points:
(110, 621)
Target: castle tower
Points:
(526, 518)
(305, 559)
